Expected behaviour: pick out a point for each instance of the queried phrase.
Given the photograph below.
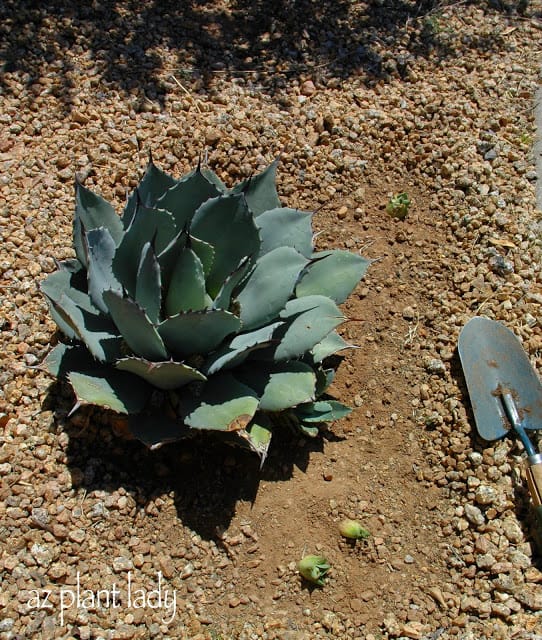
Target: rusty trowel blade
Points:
(494, 362)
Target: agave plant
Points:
(200, 307)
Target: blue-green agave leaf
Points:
(205, 253)
(130, 208)
(308, 430)
(331, 344)
(121, 392)
(77, 317)
(309, 320)
(164, 375)
(64, 282)
(64, 358)
(334, 274)
(78, 236)
(225, 405)
(322, 411)
(92, 212)
(135, 327)
(153, 186)
(53, 287)
(211, 176)
(167, 258)
(71, 265)
(148, 293)
(156, 429)
(269, 286)
(197, 332)
(223, 298)
(290, 385)
(62, 322)
(324, 377)
(281, 386)
(226, 224)
(260, 190)
(100, 253)
(96, 331)
(155, 225)
(186, 196)
(258, 435)
(186, 290)
(285, 227)
(236, 351)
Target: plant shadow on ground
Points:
(521, 496)
(278, 40)
(206, 476)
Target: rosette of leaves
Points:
(200, 307)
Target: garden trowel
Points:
(505, 391)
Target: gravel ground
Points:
(365, 100)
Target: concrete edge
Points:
(537, 146)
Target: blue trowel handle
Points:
(513, 416)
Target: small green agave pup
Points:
(314, 569)
(203, 303)
(399, 205)
(353, 530)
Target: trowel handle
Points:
(534, 480)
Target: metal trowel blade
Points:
(494, 362)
